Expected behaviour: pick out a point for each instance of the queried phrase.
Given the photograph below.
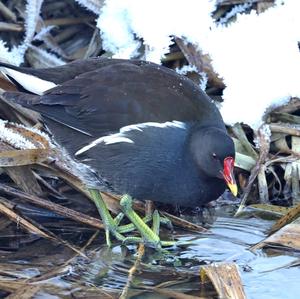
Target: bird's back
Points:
(97, 97)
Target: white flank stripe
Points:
(140, 127)
(29, 82)
(121, 136)
(115, 138)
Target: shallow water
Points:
(230, 241)
(264, 272)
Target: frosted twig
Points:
(44, 32)
(44, 58)
(16, 55)
(92, 5)
(186, 69)
(203, 80)
(13, 138)
(237, 9)
(32, 12)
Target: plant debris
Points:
(37, 182)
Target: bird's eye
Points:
(214, 155)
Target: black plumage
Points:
(174, 143)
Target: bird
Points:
(145, 131)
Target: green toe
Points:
(149, 237)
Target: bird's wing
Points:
(118, 94)
(124, 93)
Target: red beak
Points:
(229, 176)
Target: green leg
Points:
(109, 223)
(149, 237)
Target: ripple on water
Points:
(230, 241)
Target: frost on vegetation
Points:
(13, 138)
(38, 132)
(191, 68)
(45, 58)
(92, 5)
(43, 33)
(16, 54)
(203, 80)
(10, 56)
(186, 69)
(265, 131)
(237, 9)
(32, 14)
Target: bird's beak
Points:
(229, 176)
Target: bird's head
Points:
(214, 153)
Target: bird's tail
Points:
(23, 80)
(22, 98)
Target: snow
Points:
(154, 21)
(258, 58)
(257, 55)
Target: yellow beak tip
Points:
(233, 188)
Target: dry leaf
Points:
(226, 279)
(287, 236)
(291, 215)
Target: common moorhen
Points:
(145, 130)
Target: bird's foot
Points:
(110, 224)
(149, 236)
(127, 228)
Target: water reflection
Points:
(229, 241)
(263, 272)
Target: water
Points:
(230, 241)
(264, 273)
